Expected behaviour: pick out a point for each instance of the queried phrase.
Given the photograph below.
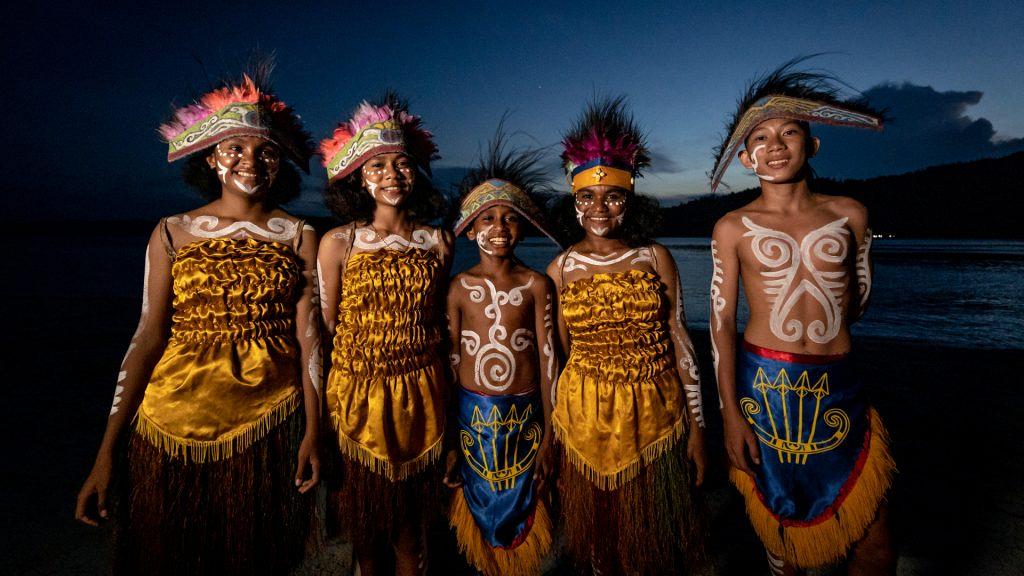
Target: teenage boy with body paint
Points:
(809, 454)
(502, 338)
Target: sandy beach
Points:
(954, 416)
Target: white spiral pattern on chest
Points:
(494, 365)
(784, 258)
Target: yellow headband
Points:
(604, 176)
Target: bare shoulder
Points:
(540, 283)
(730, 226)
(336, 239)
(556, 265)
(846, 207)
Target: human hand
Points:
(741, 444)
(544, 468)
(452, 477)
(309, 457)
(91, 506)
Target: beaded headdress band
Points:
(791, 94)
(377, 129)
(245, 109)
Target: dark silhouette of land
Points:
(962, 200)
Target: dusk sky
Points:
(90, 86)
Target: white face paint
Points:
(784, 258)
(494, 366)
(482, 240)
(754, 164)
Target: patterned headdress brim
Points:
(774, 106)
(237, 119)
(495, 192)
(378, 138)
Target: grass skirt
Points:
(241, 515)
(648, 525)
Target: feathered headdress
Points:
(504, 177)
(795, 94)
(246, 108)
(605, 146)
(375, 129)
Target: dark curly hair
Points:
(641, 225)
(349, 202)
(199, 176)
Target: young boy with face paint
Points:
(628, 412)
(226, 352)
(809, 455)
(384, 275)
(500, 322)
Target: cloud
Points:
(927, 127)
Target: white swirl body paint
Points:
(718, 304)
(688, 362)
(785, 257)
(494, 366)
(864, 269)
(576, 261)
(122, 374)
(368, 239)
(278, 229)
(549, 347)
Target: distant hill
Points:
(963, 200)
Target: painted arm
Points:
(331, 259)
(547, 357)
(144, 351)
(453, 317)
(554, 272)
(740, 442)
(308, 334)
(686, 358)
(865, 270)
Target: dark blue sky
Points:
(91, 85)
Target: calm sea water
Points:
(951, 293)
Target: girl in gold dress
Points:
(628, 407)
(226, 352)
(384, 275)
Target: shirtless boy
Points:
(809, 455)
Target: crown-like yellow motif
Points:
(796, 418)
(499, 460)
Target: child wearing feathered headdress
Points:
(809, 454)
(500, 324)
(217, 398)
(384, 274)
(628, 410)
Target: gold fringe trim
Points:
(613, 480)
(831, 539)
(390, 470)
(202, 451)
(523, 560)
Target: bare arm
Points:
(308, 333)
(739, 439)
(863, 264)
(144, 351)
(331, 258)
(547, 358)
(453, 318)
(554, 272)
(685, 356)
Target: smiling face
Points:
(601, 210)
(777, 150)
(389, 178)
(246, 165)
(496, 231)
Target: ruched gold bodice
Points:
(385, 392)
(230, 371)
(619, 401)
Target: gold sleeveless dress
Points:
(386, 389)
(620, 415)
(211, 460)
(230, 372)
